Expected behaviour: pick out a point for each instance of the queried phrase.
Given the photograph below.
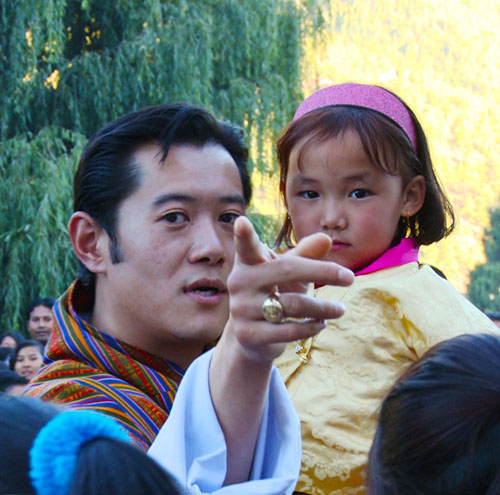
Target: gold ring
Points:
(272, 309)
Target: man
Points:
(157, 197)
(39, 322)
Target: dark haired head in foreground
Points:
(439, 427)
(11, 382)
(94, 463)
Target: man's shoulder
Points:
(69, 379)
(66, 380)
(79, 386)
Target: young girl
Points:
(27, 358)
(355, 165)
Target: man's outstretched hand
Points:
(241, 365)
(258, 273)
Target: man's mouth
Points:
(206, 290)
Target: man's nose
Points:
(207, 244)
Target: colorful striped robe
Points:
(88, 369)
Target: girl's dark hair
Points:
(439, 427)
(22, 345)
(104, 465)
(388, 148)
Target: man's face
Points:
(168, 293)
(40, 323)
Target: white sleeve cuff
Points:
(192, 448)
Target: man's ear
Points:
(413, 196)
(90, 241)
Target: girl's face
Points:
(29, 360)
(339, 192)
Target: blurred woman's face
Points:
(28, 361)
(8, 341)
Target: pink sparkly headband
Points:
(365, 96)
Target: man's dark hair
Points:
(48, 302)
(107, 173)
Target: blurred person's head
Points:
(439, 427)
(12, 383)
(39, 318)
(52, 451)
(27, 358)
(10, 339)
(5, 356)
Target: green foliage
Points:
(266, 226)
(492, 237)
(69, 66)
(36, 190)
(484, 287)
(79, 64)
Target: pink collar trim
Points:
(404, 252)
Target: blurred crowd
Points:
(21, 356)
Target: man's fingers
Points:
(249, 249)
(296, 306)
(301, 306)
(265, 334)
(288, 269)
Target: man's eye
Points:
(309, 194)
(229, 217)
(359, 193)
(175, 217)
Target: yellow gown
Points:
(337, 380)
